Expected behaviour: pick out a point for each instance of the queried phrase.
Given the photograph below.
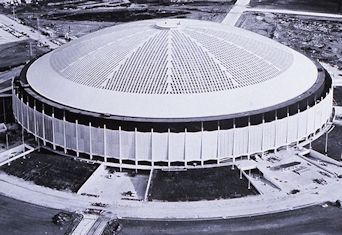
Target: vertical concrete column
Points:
(321, 114)
(152, 156)
(249, 139)
(90, 143)
(53, 129)
(326, 143)
(307, 120)
(7, 142)
(43, 121)
(17, 107)
(77, 147)
(64, 133)
(234, 142)
(314, 114)
(201, 157)
(298, 113)
(120, 149)
(135, 150)
(27, 115)
(287, 127)
(249, 179)
(105, 142)
(275, 131)
(14, 104)
(168, 148)
(21, 111)
(34, 119)
(218, 143)
(185, 131)
(22, 120)
(262, 134)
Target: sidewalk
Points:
(234, 14)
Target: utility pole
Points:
(31, 54)
(326, 143)
(30, 51)
(38, 26)
(37, 23)
(326, 140)
(23, 138)
(13, 11)
(7, 144)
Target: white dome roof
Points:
(171, 69)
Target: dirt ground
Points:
(17, 53)
(204, 11)
(82, 17)
(321, 39)
(198, 184)
(334, 143)
(51, 170)
(327, 6)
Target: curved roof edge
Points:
(323, 79)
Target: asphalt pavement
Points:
(311, 220)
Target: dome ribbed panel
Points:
(248, 64)
(145, 69)
(145, 58)
(193, 70)
(91, 62)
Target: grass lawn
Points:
(51, 170)
(16, 53)
(334, 143)
(198, 184)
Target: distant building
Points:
(172, 93)
(16, 2)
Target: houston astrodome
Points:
(165, 93)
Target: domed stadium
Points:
(175, 92)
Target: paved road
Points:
(9, 74)
(312, 220)
(234, 14)
(292, 12)
(242, 5)
(85, 225)
(15, 220)
(34, 34)
(6, 37)
(20, 218)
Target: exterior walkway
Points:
(14, 153)
(235, 13)
(314, 183)
(292, 12)
(86, 224)
(242, 5)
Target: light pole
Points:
(13, 11)
(326, 139)
(6, 140)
